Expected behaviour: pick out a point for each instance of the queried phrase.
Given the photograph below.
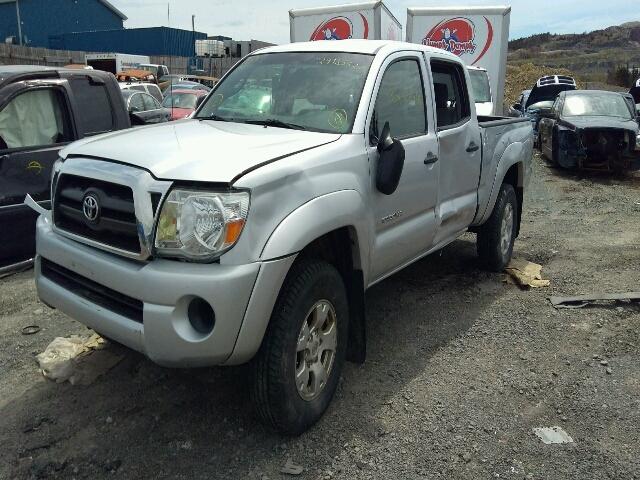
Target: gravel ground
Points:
(461, 368)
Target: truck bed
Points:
(503, 138)
(495, 120)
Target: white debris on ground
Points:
(525, 274)
(552, 435)
(80, 360)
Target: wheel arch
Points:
(512, 170)
(330, 228)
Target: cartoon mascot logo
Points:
(458, 36)
(338, 28)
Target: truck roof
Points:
(12, 73)
(369, 47)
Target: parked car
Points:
(185, 85)
(144, 109)
(159, 71)
(542, 96)
(634, 91)
(590, 129)
(251, 231)
(43, 109)
(183, 103)
(150, 88)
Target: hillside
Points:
(589, 55)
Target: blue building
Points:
(40, 19)
(140, 41)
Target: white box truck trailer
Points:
(115, 62)
(478, 35)
(370, 20)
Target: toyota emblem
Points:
(91, 207)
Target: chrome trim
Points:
(142, 184)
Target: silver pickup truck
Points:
(250, 232)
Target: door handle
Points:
(431, 158)
(472, 147)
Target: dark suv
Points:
(43, 109)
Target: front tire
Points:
(495, 238)
(297, 369)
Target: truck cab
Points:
(250, 232)
(43, 109)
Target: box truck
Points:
(115, 62)
(370, 20)
(478, 35)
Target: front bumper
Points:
(165, 288)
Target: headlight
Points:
(200, 225)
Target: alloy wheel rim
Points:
(316, 350)
(506, 229)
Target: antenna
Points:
(170, 66)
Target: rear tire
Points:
(495, 238)
(295, 373)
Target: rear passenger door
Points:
(93, 107)
(404, 222)
(460, 149)
(35, 123)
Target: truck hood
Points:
(198, 150)
(595, 122)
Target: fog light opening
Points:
(201, 316)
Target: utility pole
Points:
(193, 42)
(19, 22)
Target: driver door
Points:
(35, 123)
(405, 221)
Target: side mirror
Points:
(390, 162)
(545, 113)
(136, 119)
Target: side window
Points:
(149, 102)
(450, 90)
(35, 118)
(400, 101)
(95, 114)
(136, 103)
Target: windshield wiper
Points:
(273, 122)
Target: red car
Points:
(183, 103)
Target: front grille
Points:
(116, 302)
(116, 223)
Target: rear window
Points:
(480, 86)
(95, 114)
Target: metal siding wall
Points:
(8, 22)
(140, 41)
(42, 18)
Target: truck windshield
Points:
(597, 104)
(317, 91)
(480, 86)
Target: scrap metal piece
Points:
(30, 202)
(582, 300)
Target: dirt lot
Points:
(461, 368)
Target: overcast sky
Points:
(268, 20)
